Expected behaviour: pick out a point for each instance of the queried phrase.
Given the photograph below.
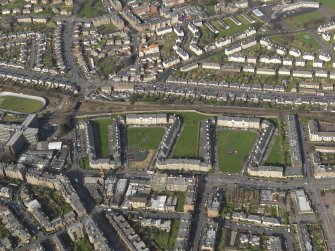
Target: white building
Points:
(236, 58)
(294, 52)
(196, 49)
(163, 30)
(302, 74)
(266, 71)
(300, 62)
(287, 61)
(284, 72)
(325, 57)
(211, 66)
(318, 63)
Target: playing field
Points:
(233, 148)
(144, 137)
(19, 104)
(187, 143)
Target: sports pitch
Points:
(20, 104)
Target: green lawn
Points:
(83, 245)
(234, 147)
(303, 41)
(107, 28)
(18, 104)
(84, 163)
(161, 238)
(222, 239)
(164, 240)
(109, 65)
(180, 201)
(100, 131)
(174, 233)
(233, 28)
(91, 8)
(144, 137)
(329, 4)
(276, 157)
(166, 45)
(187, 143)
(52, 202)
(306, 20)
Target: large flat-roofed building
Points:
(146, 119)
(15, 144)
(316, 135)
(301, 201)
(31, 135)
(239, 122)
(30, 121)
(16, 137)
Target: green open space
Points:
(187, 143)
(14, 5)
(317, 237)
(52, 202)
(144, 137)
(92, 8)
(84, 163)
(3, 231)
(276, 157)
(234, 147)
(310, 19)
(100, 131)
(164, 240)
(19, 104)
(222, 239)
(109, 65)
(328, 4)
(107, 28)
(166, 44)
(180, 201)
(83, 244)
(303, 41)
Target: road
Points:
(67, 43)
(200, 215)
